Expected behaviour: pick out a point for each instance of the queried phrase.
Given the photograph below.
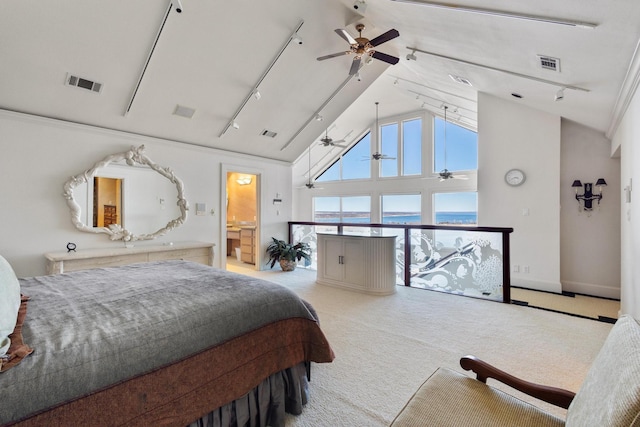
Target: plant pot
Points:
(287, 265)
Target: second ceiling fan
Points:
(361, 46)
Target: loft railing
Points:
(466, 260)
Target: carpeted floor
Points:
(386, 346)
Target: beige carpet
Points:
(386, 346)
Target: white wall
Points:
(589, 243)
(39, 155)
(513, 136)
(627, 137)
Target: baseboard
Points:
(538, 285)
(591, 289)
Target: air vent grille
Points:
(83, 83)
(183, 111)
(268, 133)
(549, 63)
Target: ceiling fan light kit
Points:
(363, 47)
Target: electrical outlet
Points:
(525, 269)
(516, 268)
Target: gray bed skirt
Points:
(265, 405)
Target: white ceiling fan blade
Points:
(333, 55)
(355, 66)
(345, 35)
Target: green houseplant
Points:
(287, 254)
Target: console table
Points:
(62, 262)
(361, 263)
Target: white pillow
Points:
(9, 304)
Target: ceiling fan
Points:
(327, 141)
(378, 155)
(361, 46)
(310, 184)
(445, 174)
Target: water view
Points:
(442, 218)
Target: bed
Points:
(161, 343)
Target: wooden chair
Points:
(608, 397)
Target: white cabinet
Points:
(61, 262)
(361, 263)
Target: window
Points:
(389, 148)
(455, 208)
(350, 164)
(342, 209)
(401, 141)
(401, 209)
(461, 147)
(412, 147)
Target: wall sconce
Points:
(244, 180)
(588, 196)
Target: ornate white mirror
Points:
(125, 192)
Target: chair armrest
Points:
(483, 370)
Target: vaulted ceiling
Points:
(150, 59)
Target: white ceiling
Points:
(211, 56)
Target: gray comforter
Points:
(94, 328)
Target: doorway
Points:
(242, 220)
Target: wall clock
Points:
(515, 177)
(71, 247)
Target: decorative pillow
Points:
(9, 304)
(18, 349)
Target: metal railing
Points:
(465, 260)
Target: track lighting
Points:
(357, 75)
(319, 117)
(256, 94)
(297, 39)
(412, 56)
(560, 94)
(235, 125)
(178, 5)
(396, 82)
(505, 14)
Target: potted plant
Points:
(287, 254)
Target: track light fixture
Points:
(412, 56)
(488, 67)
(559, 94)
(178, 6)
(254, 90)
(357, 76)
(319, 117)
(297, 39)
(504, 14)
(396, 82)
(256, 94)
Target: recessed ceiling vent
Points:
(269, 133)
(183, 111)
(549, 63)
(83, 83)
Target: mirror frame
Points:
(115, 231)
